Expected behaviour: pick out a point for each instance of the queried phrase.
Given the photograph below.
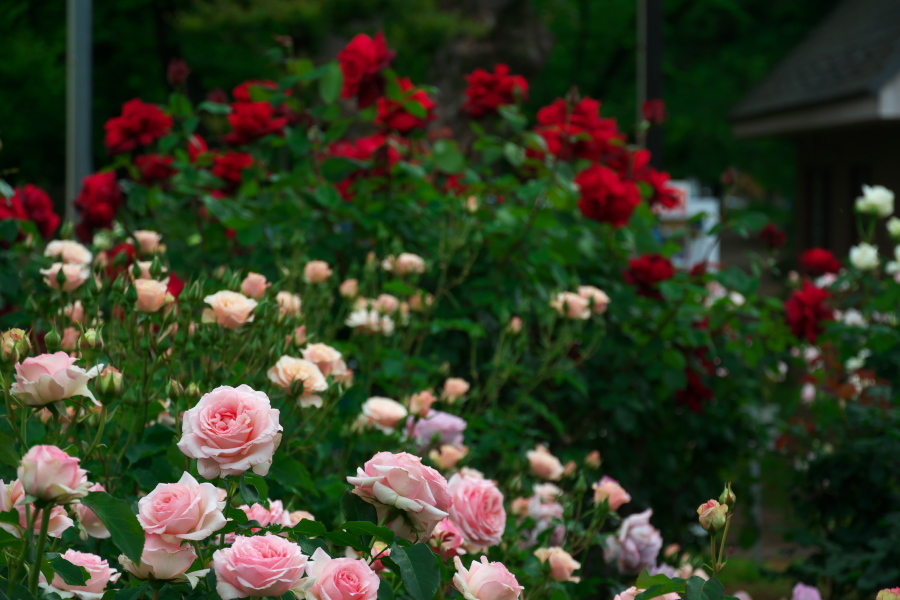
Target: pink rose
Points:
(805, 592)
(609, 489)
(48, 378)
(48, 473)
(69, 341)
(12, 497)
(275, 514)
(383, 413)
(255, 285)
(447, 539)
(90, 522)
(258, 566)
(447, 457)
(419, 301)
(341, 578)
(596, 297)
(74, 275)
(401, 483)
(546, 512)
(316, 271)
(148, 241)
(420, 404)
(486, 581)
(594, 460)
(324, 356)
(231, 430)
(349, 288)
(386, 304)
(477, 509)
(289, 371)
(515, 325)
(299, 336)
(632, 592)
(636, 545)
(341, 374)
(69, 252)
(742, 595)
(229, 309)
(562, 565)
(545, 465)
(186, 510)
(571, 305)
(437, 429)
(99, 571)
(712, 515)
(289, 305)
(75, 311)
(161, 560)
(404, 264)
(152, 295)
(454, 389)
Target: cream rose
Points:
(289, 371)
(152, 295)
(75, 275)
(571, 305)
(383, 413)
(69, 252)
(255, 285)
(148, 241)
(596, 296)
(562, 565)
(545, 465)
(289, 305)
(229, 309)
(316, 271)
(323, 356)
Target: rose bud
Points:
(48, 473)
(891, 594)
(728, 496)
(92, 339)
(52, 340)
(593, 460)
(454, 389)
(713, 515)
(349, 288)
(109, 383)
(609, 489)
(562, 565)
(255, 286)
(100, 575)
(14, 345)
(515, 325)
(545, 465)
(316, 271)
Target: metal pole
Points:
(653, 73)
(641, 95)
(79, 14)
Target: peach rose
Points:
(341, 374)
(69, 252)
(596, 297)
(632, 593)
(161, 560)
(186, 510)
(316, 271)
(420, 404)
(593, 459)
(386, 304)
(609, 489)
(299, 337)
(12, 497)
(48, 473)
(404, 264)
(401, 483)
(341, 578)
(229, 309)
(289, 305)
(521, 507)
(90, 522)
(323, 356)
(289, 371)
(152, 295)
(571, 305)
(545, 465)
(48, 378)
(383, 413)
(255, 285)
(259, 566)
(100, 575)
(472, 204)
(231, 430)
(148, 241)
(485, 581)
(69, 341)
(75, 311)
(562, 565)
(447, 456)
(454, 389)
(349, 288)
(75, 275)
(515, 325)
(420, 301)
(477, 509)
(370, 321)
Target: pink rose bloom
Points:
(597, 296)
(316, 271)
(341, 374)
(486, 581)
(48, 473)
(546, 512)
(454, 389)
(89, 520)
(275, 514)
(99, 572)
(12, 497)
(290, 371)
(446, 457)
(562, 565)
(75, 275)
(258, 566)
(48, 378)
(632, 592)
(520, 506)
(152, 295)
(186, 510)
(742, 595)
(69, 252)
(75, 311)
(386, 304)
(805, 592)
(255, 286)
(447, 539)
(594, 460)
(383, 413)
(477, 509)
(636, 545)
(545, 465)
(420, 301)
(420, 404)
(400, 482)
(229, 309)
(571, 305)
(349, 288)
(299, 336)
(404, 264)
(69, 341)
(609, 489)
(148, 241)
(515, 325)
(231, 430)
(289, 305)
(341, 578)
(161, 560)
(437, 429)
(324, 356)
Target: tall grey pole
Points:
(79, 14)
(650, 21)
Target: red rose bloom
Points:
(818, 261)
(375, 148)
(393, 114)
(251, 121)
(38, 207)
(806, 311)
(242, 93)
(176, 284)
(178, 71)
(11, 208)
(154, 168)
(578, 131)
(140, 125)
(647, 272)
(663, 196)
(218, 96)
(230, 167)
(98, 202)
(487, 91)
(696, 393)
(605, 197)
(655, 111)
(197, 147)
(119, 259)
(362, 61)
(773, 236)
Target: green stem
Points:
(724, 537)
(712, 550)
(232, 486)
(42, 542)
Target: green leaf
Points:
(132, 593)
(514, 154)
(339, 169)
(327, 196)
(249, 492)
(699, 589)
(342, 538)
(123, 526)
(310, 528)
(70, 573)
(418, 568)
(447, 156)
(331, 83)
(382, 534)
(292, 475)
(753, 221)
(9, 230)
(357, 509)
(8, 454)
(385, 592)
(215, 108)
(310, 546)
(7, 539)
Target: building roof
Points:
(852, 53)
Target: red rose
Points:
(647, 272)
(376, 148)
(197, 147)
(176, 284)
(11, 208)
(154, 168)
(655, 111)
(773, 236)
(140, 125)
(242, 92)
(579, 131)
(487, 91)
(98, 202)
(253, 120)
(218, 96)
(119, 259)
(362, 62)
(178, 71)
(38, 207)
(695, 392)
(230, 167)
(663, 195)
(818, 261)
(605, 197)
(394, 115)
(806, 311)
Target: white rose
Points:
(893, 227)
(876, 200)
(864, 257)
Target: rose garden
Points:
(298, 344)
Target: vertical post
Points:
(650, 19)
(79, 15)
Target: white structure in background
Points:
(692, 220)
